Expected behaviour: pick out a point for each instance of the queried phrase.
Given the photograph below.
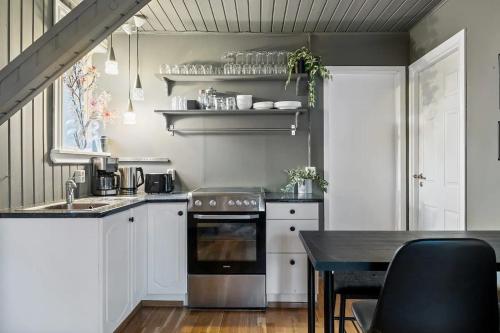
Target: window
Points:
(80, 109)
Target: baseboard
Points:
(162, 304)
(286, 305)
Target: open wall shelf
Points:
(299, 79)
(172, 129)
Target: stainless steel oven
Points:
(226, 251)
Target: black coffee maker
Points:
(105, 180)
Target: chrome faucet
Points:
(70, 191)
(78, 177)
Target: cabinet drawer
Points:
(286, 274)
(283, 235)
(296, 211)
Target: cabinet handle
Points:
(131, 219)
(292, 262)
(180, 213)
(292, 228)
(292, 211)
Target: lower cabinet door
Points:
(140, 253)
(286, 277)
(117, 264)
(167, 250)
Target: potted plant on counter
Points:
(303, 61)
(303, 178)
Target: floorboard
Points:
(184, 320)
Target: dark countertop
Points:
(293, 197)
(121, 203)
(116, 204)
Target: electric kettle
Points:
(130, 180)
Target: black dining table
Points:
(332, 251)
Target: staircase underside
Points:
(59, 48)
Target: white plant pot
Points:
(305, 187)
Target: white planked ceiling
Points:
(285, 16)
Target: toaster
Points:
(159, 183)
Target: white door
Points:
(365, 136)
(437, 177)
(167, 249)
(117, 269)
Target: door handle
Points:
(419, 176)
(225, 217)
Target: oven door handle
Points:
(225, 217)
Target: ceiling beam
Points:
(59, 48)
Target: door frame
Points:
(399, 73)
(455, 44)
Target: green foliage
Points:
(298, 175)
(314, 69)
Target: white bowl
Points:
(244, 105)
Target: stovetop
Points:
(227, 199)
(229, 190)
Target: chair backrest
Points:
(439, 286)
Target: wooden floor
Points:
(183, 320)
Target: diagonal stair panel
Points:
(59, 48)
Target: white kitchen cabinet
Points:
(140, 252)
(118, 272)
(282, 236)
(86, 275)
(287, 276)
(286, 261)
(167, 251)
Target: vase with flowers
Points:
(90, 109)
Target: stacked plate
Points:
(287, 105)
(263, 105)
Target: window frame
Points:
(59, 154)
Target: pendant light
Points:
(129, 117)
(138, 92)
(111, 65)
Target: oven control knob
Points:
(212, 203)
(238, 203)
(253, 202)
(198, 203)
(246, 202)
(230, 203)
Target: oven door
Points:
(227, 243)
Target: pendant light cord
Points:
(129, 67)
(137, 55)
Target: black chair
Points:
(436, 286)
(355, 285)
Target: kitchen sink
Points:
(76, 206)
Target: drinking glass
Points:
(184, 70)
(229, 58)
(269, 65)
(200, 69)
(260, 60)
(240, 58)
(282, 62)
(176, 70)
(247, 67)
(220, 103)
(165, 69)
(209, 70)
(230, 103)
(192, 69)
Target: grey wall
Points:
(26, 175)
(480, 19)
(230, 159)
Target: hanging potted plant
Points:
(302, 179)
(303, 61)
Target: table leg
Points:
(328, 301)
(311, 297)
